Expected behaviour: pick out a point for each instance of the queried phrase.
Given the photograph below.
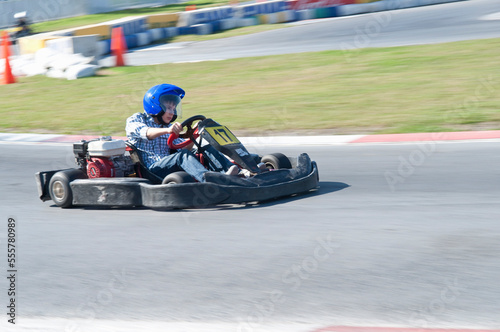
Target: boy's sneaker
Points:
(262, 167)
(245, 173)
(233, 170)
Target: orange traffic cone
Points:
(1, 45)
(5, 40)
(8, 78)
(118, 45)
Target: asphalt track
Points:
(465, 20)
(399, 234)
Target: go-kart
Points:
(111, 173)
(21, 29)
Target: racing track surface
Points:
(397, 235)
(473, 19)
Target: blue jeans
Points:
(185, 160)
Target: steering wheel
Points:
(191, 133)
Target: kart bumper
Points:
(129, 192)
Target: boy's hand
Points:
(176, 128)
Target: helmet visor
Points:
(171, 104)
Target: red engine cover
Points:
(100, 168)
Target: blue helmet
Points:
(153, 99)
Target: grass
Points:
(445, 87)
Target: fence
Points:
(46, 10)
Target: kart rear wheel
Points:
(177, 178)
(59, 188)
(276, 161)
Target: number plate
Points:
(222, 135)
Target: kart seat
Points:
(141, 170)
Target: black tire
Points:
(177, 178)
(59, 188)
(276, 161)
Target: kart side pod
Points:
(71, 188)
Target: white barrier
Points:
(156, 34)
(435, 2)
(260, 8)
(400, 4)
(199, 16)
(28, 68)
(143, 39)
(102, 48)
(247, 21)
(290, 15)
(306, 14)
(171, 32)
(377, 6)
(54, 64)
(228, 23)
(85, 45)
(203, 29)
(348, 10)
(79, 71)
(272, 18)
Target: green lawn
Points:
(445, 87)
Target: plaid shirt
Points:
(150, 151)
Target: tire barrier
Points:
(206, 15)
(212, 20)
(261, 8)
(143, 30)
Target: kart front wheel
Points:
(276, 161)
(177, 178)
(59, 188)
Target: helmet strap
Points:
(159, 117)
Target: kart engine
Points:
(103, 158)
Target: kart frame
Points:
(146, 191)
